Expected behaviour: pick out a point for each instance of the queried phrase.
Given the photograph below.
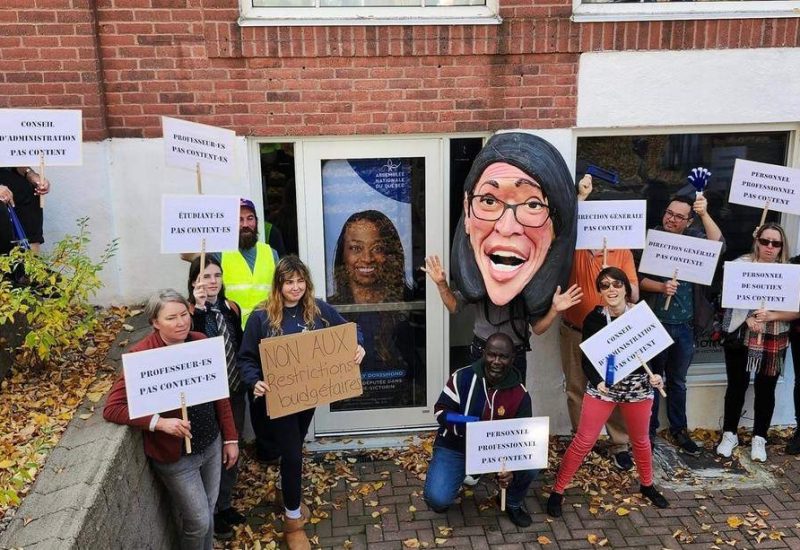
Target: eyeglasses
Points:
(679, 217)
(767, 242)
(530, 213)
(605, 285)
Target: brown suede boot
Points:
(294, 534)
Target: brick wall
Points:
(189, 58)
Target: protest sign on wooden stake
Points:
(758, 183)
(695, 259)
(188, 219)
(513, 444)
(611, 224)
(199, 147)
(749, 285)
(27, 135)
(309, 369)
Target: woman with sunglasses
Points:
(633, 395)
(755, 341)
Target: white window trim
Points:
(667, 11)
(440, 15)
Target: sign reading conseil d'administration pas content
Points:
(758, 183)
(510, 445)
(188, 219)
(189, 144)
(156, 378)
(748, 285)
(615, 224)
(28, 134)
(635, 334)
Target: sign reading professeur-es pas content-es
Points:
(620, 223)
(187, 219)
(155, 379)
(747, 285)
(27, 134)
(756, 183)
(637, 331)
(511, 445)
(694, 258)
(187, 144)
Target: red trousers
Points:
(594, 414)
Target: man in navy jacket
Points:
(489, 389)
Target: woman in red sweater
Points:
(191, 480)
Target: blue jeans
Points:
(674, 363)
(193, 485)
(446, 473)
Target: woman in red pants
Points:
(633, 395)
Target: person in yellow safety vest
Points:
(247, 272)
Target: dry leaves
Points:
(36, 405)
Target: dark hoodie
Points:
(467, 392)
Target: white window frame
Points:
(712, 374)
(317, 16)
(667, 11)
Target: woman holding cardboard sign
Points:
(191, 477)
(291, 309)
(633, 395)
(755, 341)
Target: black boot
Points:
(793, 447)
(651, 493)
(554, 505)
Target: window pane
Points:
(455, 3)
(374, 225)
(370, 3)
(655, 168)
(283, 3)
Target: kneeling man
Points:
(489, 389)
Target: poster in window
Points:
(368, 231)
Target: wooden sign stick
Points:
(669, 298)
(185, 415)
(650, 373)
(760, 337)
(502, 490)
(763, 219)
(41, 178)
(202, 258)
(199, 179)
(605, 253)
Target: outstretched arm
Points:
(562, 301)
(433, 267)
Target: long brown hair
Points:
(288, 266)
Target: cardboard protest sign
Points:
(156, 378)
(513, 444)
(310, 368)
(638, 331)
(27, 134)
(756, 183)
(695, 259)
(748, 285)
(187, 144)
(186, 219)
(620, 223)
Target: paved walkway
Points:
(375, 501)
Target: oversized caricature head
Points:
(519, 223)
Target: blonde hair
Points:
(783, 257)
(288, 266)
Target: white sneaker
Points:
(758, 452)
(728, 444)
(471, 481)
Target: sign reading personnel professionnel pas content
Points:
(511, 445)
(758, 183)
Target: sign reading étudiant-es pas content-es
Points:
(309, 369)
(747, 285)
(156, 378)
(187, 144)
(27, 134)
(756, 183)
(637, 331)
(694, 258)
(186, 219)
(621, 223)
(511, 445)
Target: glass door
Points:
(372, 210)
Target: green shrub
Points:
(54, 295)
